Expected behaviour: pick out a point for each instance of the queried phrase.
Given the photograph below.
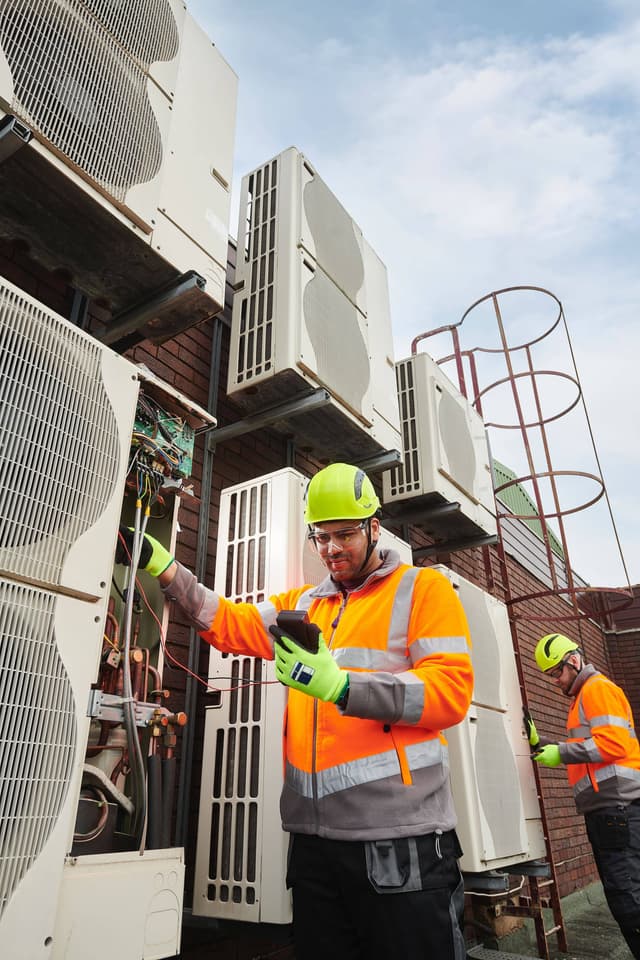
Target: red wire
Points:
(178, 663)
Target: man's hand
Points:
(316, 674)
(154, 558)
(549, 756)
(530, 727)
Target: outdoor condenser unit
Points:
(492, 777)
(242, 849)
(445, 456)
(111, 167)
(311, 310)
(66, 414)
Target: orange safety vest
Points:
(378, 769)
(601, 751)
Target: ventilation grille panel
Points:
(235, 808)
(37, 733)
(406, 478)
(233, 851)
(255, 346)
(147, 29)
(58, 436)
(247, 544)
(76, 87)
(241, 859)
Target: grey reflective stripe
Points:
(413, 698)
(268, 611)
(579, 733)
(299, 781)
(394, 657)
(400, 614)
(610, 721)
(426, 646)
(592, 750)
(305, 600)
(363, 658)
(606, 773)
(581, 711)
(268, 614)
(354, 773)
(426, 754)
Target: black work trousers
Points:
(614, 833)
(377, 900)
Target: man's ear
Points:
(375, 529)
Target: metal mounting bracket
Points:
(256, 421)
(14, 134)
(161, 302)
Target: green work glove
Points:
(530, 727)
(154, 558)
(549, 756)
(316, 674)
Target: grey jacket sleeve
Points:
(198, 602)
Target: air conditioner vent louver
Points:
(77, 88)
(234, 808)
(37, 734)
(406, 477)
(256, 319)
(58, 435)
(147, 29)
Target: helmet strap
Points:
(371, 546)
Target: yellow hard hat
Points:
(340, 492)
(552, 649)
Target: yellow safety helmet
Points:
(552, 649)
(340, 492)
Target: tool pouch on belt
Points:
(413, 863)
(608, 830)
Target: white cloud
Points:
(477, 165)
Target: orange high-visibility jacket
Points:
(601, 751)
(379, 769)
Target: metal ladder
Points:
(543, 894)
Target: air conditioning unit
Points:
(144, 896)
(445, 457)
(311, 310)
(67, 409)
(110, 169)
(242, 850)
(65, 424)
(492, 776)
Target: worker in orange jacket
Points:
(602, 757)
(373, 859)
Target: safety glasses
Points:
(556, 673)
(339, 538)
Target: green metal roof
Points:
(516, 499)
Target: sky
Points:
(479, 146)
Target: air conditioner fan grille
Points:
(76, 87)
(37, 734)
(59, 439)
(146, 29)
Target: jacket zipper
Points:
(314, 741)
